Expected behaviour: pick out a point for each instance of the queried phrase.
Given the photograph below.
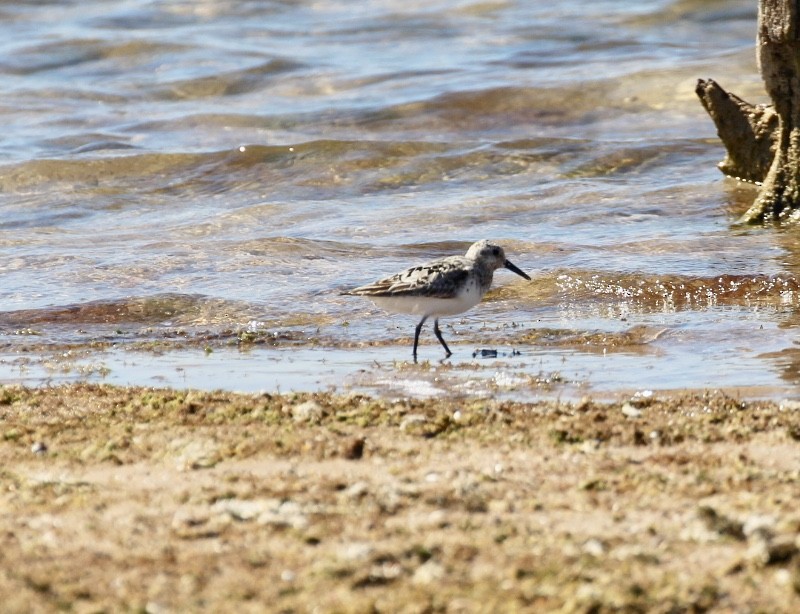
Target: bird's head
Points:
(488, 253)
(493, 256)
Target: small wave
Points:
(44, 173)
(152, 310)
(45, 57)
(225, 84)
(498, 107)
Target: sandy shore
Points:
(120, 499)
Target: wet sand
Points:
(510, 360)
(157, 500)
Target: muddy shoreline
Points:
(163, 500)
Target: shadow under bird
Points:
(443, 287)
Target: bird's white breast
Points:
(466, 298)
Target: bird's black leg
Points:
(416, 335)
(439, 337)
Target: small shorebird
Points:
(443, 287)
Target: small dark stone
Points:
(719, 523)
(354, 449)
(39, 447)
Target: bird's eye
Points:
(495, 251)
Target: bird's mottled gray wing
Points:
(438, 279)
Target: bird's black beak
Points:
(518, 271)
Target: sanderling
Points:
(444, 287)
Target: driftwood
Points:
(763, 142)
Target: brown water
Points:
(185, 187)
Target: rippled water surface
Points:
(203, 178)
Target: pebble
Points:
(783, 576)
(151, 607)
(193, 523)
(356, 490)
(430, 572)
(39, 447)
(194, 454)
(412, 419)
(310, 411)
(422, 522)
(354, 449)
(772, 551)
(630, 411)
(270, 512)
(355, 551)
(594, 547)
(590, 445)
(245, 509)
(759, 526)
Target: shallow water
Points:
(205, 174)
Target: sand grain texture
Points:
(133, 499)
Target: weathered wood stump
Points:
(763, 142)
